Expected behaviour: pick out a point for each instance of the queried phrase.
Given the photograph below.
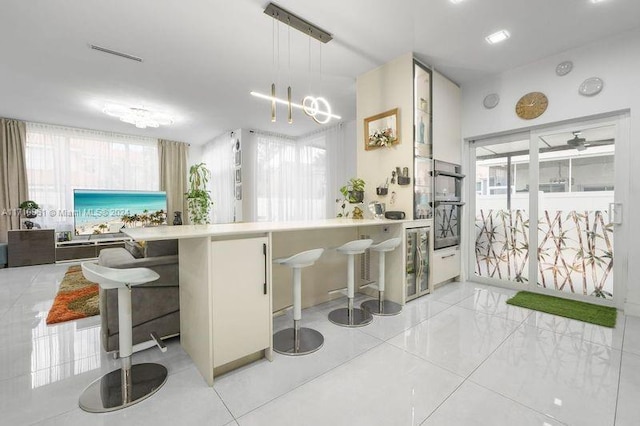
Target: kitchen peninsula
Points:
(229, 288)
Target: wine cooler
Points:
(417, 273)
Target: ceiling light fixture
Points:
(139, 117)
(597, 1)
(314, 107)
(456, 1)
(310, 105)
(497, 37)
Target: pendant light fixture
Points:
(318, 108)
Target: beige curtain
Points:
(173, 176)
(13, 173)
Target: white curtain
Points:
(218, 155)
(61, 159)
(340, 164)
(296, 179)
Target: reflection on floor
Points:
(460, 356)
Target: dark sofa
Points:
(156, 305)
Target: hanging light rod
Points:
(311, 110)
(298, 23)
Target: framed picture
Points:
(382, 130)
(238, 192)
(238, 155)
(238, 175)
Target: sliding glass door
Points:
(575, 179)
(502, 210)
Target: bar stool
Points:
(298, 340)
(381, 306)
(129, 384)
(350, 316)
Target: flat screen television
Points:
(98, 212)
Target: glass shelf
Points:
(422, 143)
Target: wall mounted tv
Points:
(108, 211)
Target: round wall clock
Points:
(564, 68)
(591, 86)
(532, 105)
(491, 100)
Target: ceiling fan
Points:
(581, 143)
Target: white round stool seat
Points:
(382, 306)
(388, 245)
(298, 340)
(129, 384)
(355, 247)
(302, 259)
(113, 278)
(350, 316)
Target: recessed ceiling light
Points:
(497, 37)
(597, 1)
(456, 1)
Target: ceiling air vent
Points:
(116, 53)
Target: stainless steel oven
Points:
(447, 182)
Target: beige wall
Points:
(387, 87)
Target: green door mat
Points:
(582, 311)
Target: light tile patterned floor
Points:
(460, 356)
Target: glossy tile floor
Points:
(460, 356)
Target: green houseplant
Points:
(29, 208)
(198, 197)
(353, 191)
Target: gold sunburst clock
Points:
(532, 105)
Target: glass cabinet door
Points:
(417, 276)
(412, 264)
(423, 255)
(422, 142)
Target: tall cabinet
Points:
(446, 263)
(428, 123)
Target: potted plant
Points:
(353, 191)
(29, 209)
(198, 197)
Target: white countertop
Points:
(198, 231)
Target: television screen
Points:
(108, 211)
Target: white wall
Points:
(616, 61)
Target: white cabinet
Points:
(241, 300)
(447, 132)
(445, 264)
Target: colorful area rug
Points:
(76, 298)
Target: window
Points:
(61, 159)
(291, 178)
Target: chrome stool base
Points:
(357, 318)
(388, 307)
(309, 339)
(106, 393)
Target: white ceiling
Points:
(202, 57)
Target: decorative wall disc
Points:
(491, 100)
(564, 68)
(591, 86)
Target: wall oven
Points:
(447, 182)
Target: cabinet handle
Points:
(264, 252)
(449, 255)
